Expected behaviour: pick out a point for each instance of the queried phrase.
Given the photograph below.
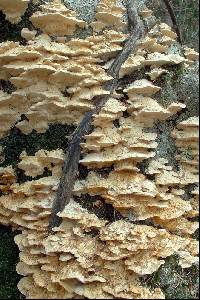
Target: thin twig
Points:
(70, 169)
(174, 20)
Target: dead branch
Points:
(174, 20)
(70, 168)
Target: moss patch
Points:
(176, 283)
(180, 85)
(85, 9)
(7, 86)
(9, 255)
(169, 85)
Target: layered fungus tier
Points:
(56, 78)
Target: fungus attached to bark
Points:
(146, 12)
(187, 140)
(14, 9)
(28, 34)
(156, 72)
(63, 81)
(167, 31)
(160, 59)
(191, 54)
(41, 73)
(108, 13)
(35, 165)
(143, 87)
(55, 19)
(134, 62)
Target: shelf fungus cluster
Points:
(55, 19)
(74, 262)
(55, 81)
(108, 14)
(14, 9)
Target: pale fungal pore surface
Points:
(88, 257)
(55, 19)
(108, 14)
(14, 9)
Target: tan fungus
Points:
(108, 13)
(14, 9)
(55, 19)
(28, 34)
(56, 81)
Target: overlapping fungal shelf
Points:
(108, 13)
(56, 80)
(14, 9)
(55, 19)
(43, 70)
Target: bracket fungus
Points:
(108, 14)
(55, 19)
(143, 87)
(35, 165)
(187, 140)
(60, 80)
(191, 54)
(14, 9)
(28, 34)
